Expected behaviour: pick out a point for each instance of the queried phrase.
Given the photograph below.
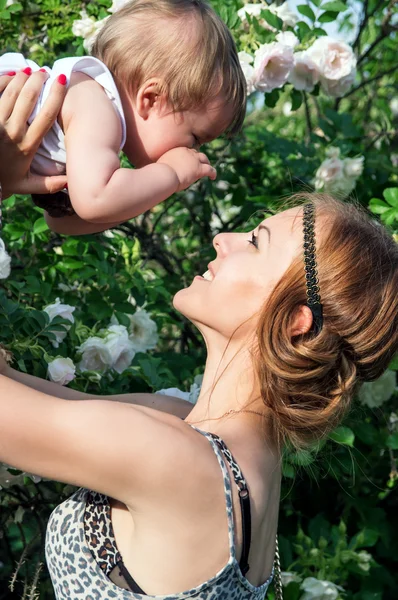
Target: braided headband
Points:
(311, 274)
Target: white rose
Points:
(117, 5)
(121, 348)
(287, 577)
(61, 370)
(253, 10)
(334, 58)
(5, 261)
(87, 28)
(284, 12)
(60, 310)
(305, 73)
(337, 88)
(288, 17)
(331, 170)
(375, 393)
(353, 167)
(336, 62)
(96, 356)
(316, 589)
(143, 331)
(174, 392)
(272, 65)
(287, 38)
(246, 60)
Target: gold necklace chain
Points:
(229, 412)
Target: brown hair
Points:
(185, 43)
(309, 381)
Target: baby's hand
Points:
(189, 165)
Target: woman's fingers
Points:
(47, 115)
(27, 99)
(41, 184)
(4, 81)
(10, 95)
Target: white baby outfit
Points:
(50, 158)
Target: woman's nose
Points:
(224, 243)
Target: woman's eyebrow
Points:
(267, 230)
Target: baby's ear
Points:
(302, 321)
(150, 97)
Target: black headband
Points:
(311, 274)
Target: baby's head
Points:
(177, 59)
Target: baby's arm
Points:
(101, 192)
(74, 225)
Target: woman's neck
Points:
(229, 384)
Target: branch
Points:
(385, 30)
(367, 81)
(363, 23)
(307, 117)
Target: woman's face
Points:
(242, 276)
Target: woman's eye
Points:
(196, 139)
(253, 241)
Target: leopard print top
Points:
(82, 556)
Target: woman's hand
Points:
(18, 140)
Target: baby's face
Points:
(162, 130)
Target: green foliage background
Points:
(335, 503)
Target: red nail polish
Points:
(62, 79)
(66, 186)
(43, 70)
(27, 71)
(11, 73)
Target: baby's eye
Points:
(253, 240)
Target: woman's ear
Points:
(302, 321)
(149, 97)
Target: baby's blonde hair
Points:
(184, 43)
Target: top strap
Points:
(220, 449)
(244, 499)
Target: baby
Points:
(164, 78)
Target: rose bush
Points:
(328, 94)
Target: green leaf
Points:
(392, 441)
(302, 29)
(319, 32)
(3, 4)
(272, 19)
(391, 195)
(288, 471)
(378, 206)
(297, 99)
(365, 538)
(327, 17)
(14, 8)
(343, 435)
(305, 10)
(394, 364)
(335, 6)
(315, 2)
(39, 226)
(272, 98)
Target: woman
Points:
(284, 360)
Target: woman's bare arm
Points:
(169, 404)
